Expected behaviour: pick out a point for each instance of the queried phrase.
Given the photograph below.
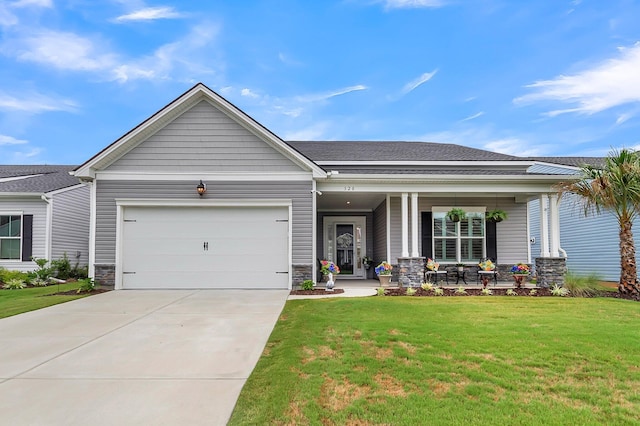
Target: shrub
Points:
(7, 275)
(460, 290)
(307, 285)
(14, 284)
(438, 291)
(43, 272)
(486, 292)
(39, 282)
(556, 290)
(582, 286)
(86, 285)
(62, 267)
(511, 292)
(79, 272)
(427, 286)
(380, 291)
(533, 292)
(411, 291)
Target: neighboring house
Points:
(591, 243)
(44, 213)
(200, 195)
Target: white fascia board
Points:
(206, 176)
(389, 177)
(69, 188)
(426, 163)
(21, 194)
(450, 187)
(170, 202)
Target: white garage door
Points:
(205, 247)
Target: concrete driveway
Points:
(134, 357)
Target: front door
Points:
(345, 244)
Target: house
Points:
(200, 195)
(44, 213)
(591, 243)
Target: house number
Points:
(349, 188)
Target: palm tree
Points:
(614, 187)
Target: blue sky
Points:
(539, 77)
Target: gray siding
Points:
(549, 169)
(298, 192)
(38, 209)
(511, 233)
(70, 225)
(585, 238)
(380, 233)
(204, 139)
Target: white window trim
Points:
(444, 209)
(21, 214)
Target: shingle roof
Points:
(36, 179)
(394, 151)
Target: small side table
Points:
(460, 275)
(435, 275)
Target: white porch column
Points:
(388, 228)
(405, 225)
(414, 225)
(544, 226)
(554, 225)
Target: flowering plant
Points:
(329, 267)
(520, 268)
(432, 265)
(487, 265)
(384, 268)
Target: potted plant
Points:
(329, 269)
(384, 273)
(460, 267)
(496, 215)
(520, 271)
(367, 261)
(456, 214)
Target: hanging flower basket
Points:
(456, 214)
(496, 215)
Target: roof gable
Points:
(163, 118)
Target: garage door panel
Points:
(215, 247)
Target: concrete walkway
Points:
(175, 357)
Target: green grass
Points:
(473, 360)
(14, 302)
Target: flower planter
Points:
(385, 280)
(520, 279)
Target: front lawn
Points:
(473, 360)
(14, 302)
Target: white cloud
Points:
(609, 84)
(249, 94)
(150, 14)
(35, 3)
(314, 132)
(329, 95)
(35, 103)
(413, 4)
(10, 140)
(412, 85)
(623, 117)
(474, 116)
(512, 146)
(287, 60)
(61, 50)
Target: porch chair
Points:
(429, 274)
(493, 273)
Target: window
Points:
(10, 237)
(462, 241)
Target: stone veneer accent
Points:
(301, 272)
(550, 271)
(410, 271)
(105, 275)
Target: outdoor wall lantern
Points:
(201, 188)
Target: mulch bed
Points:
(316, 292)
(74, 292)
(540, 292)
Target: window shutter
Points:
(27, 237)
(492, 240)
(427, 235)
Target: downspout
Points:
(47, 245)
